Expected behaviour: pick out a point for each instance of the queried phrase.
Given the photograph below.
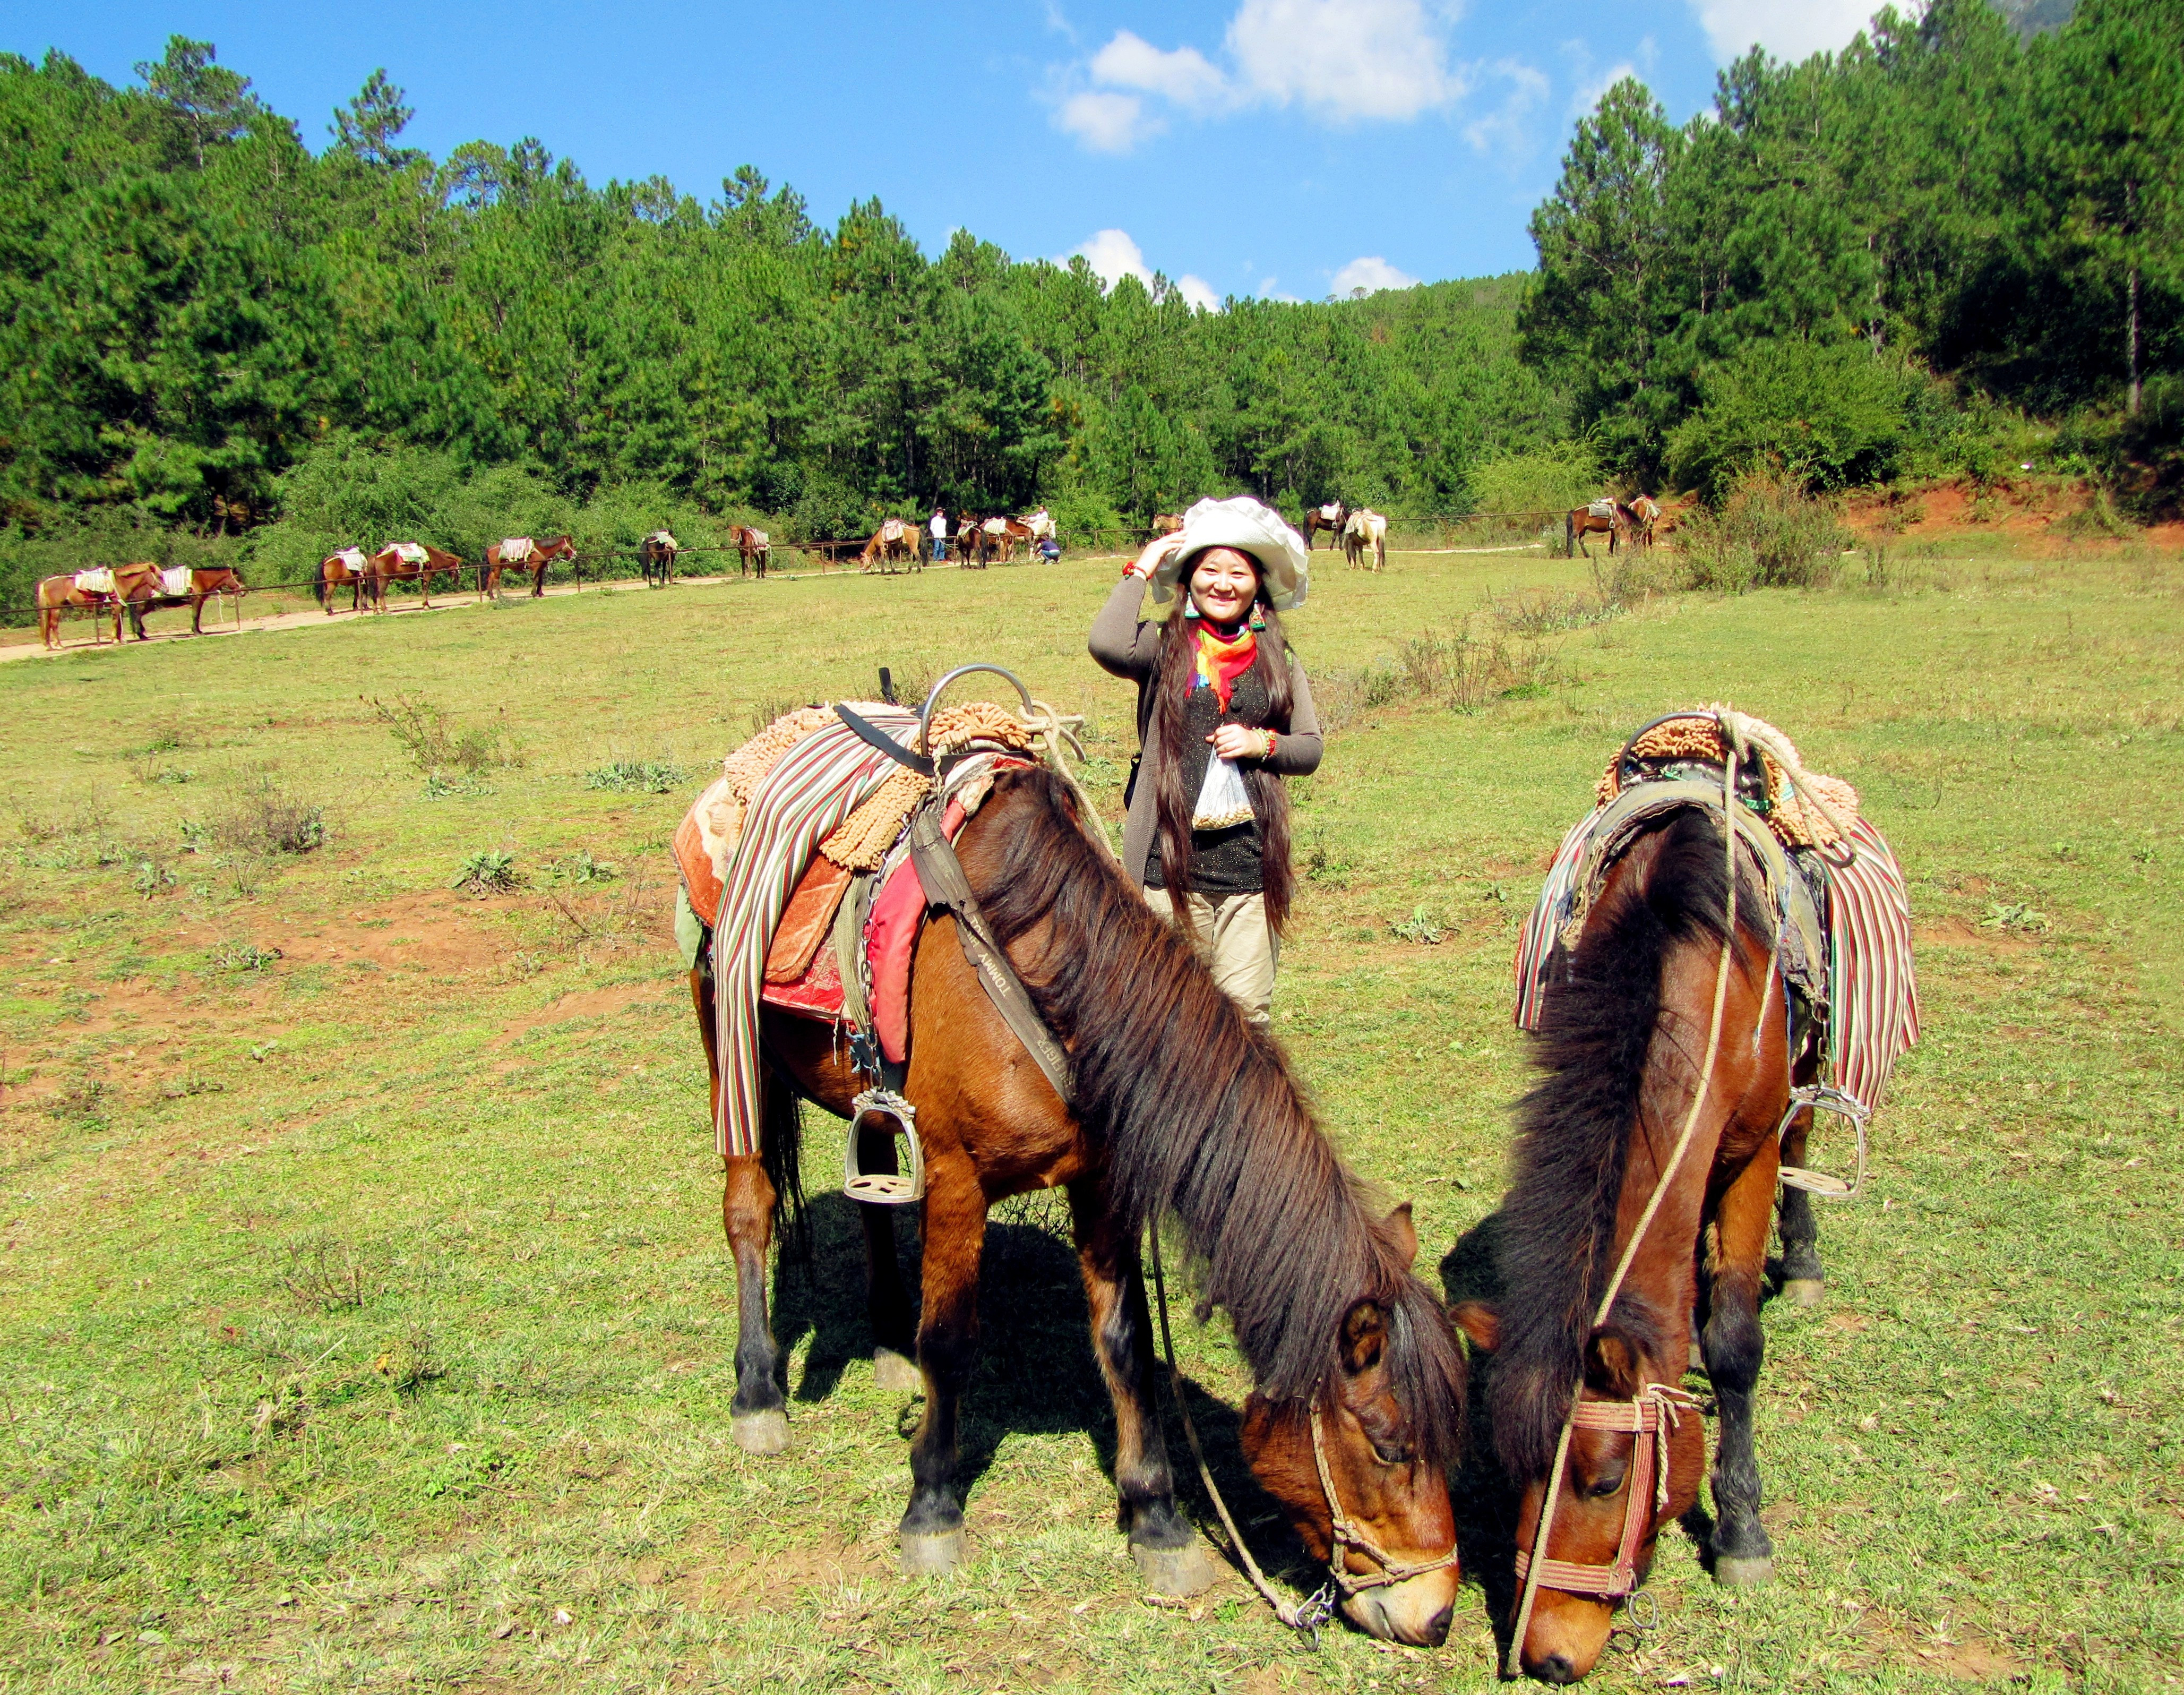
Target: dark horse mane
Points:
(1574, 1127)
(1200, 1116)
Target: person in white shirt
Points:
(939, 529)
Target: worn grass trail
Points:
(364, 1312)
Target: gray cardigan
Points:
(1127, 648)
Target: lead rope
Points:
(1049, 730)
(1733, 725)
(1319, 1606)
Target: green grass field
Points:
(365, 1316)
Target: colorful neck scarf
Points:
(1220, 663)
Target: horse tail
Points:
(318, 584)
(781, 1156)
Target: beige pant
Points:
(1234, 942)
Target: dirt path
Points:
(23, 644)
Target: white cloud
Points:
(1588, 94)
(1113, 255)
(1198, 291)
(1369, 276)
(1106, 123)
(1508, 128)
(1788, 29)
(1344, 58)
(1182, 74)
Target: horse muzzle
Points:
(1415, 1612)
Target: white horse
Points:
(1365, 529)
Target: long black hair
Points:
(1270, 804)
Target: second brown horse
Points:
(1181, 1109)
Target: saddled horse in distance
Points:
(348, 567)
(1331, 518)
(1181, 1109)
(58, 595)
(655, 558)
(895, 542)
(753, 548)
(1583, 520)
(1640, 517)
(1165, 524)
(397, 562)
(145, 587)
(1365, 533)
(1620, 1041)
(519, 553)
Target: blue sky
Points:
(1287, 147)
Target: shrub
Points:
(1770, 534)
(489, 871)
(637, 776)
(435, 745)
(1821, 415)
(267, 819)
(1550, 480)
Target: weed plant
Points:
(1769, 534)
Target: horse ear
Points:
(1364, 1334)
(1480, 1324)
(1611, 1361)
(1402, 1233)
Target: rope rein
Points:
(1318, 1607)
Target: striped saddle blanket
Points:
(516, 550)
(827, 934)
(175, 580)
(1842, 908)
(97, 581)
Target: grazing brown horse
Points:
(655, 558)
(1582, 522)
(145, 588)
(389, 566)
(1621, 1044)
(348, 567)
(1638, 518)
(896, 542)
(57, 596)
(498, 558)
(1333, 518)
(1182, 1109)
(753, 548)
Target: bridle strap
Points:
(1317, 1607)
(1656, 1413)
(1345, 1537)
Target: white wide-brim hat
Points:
(1249, 527)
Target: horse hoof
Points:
(932, 1553)
(894, 1374)
(1804, 1292)
(760, 1433)
(1743, 1574)
(1180, 1571)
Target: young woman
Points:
(1224, 713)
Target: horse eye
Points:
(1606, 1484)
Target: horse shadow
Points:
(1036, 1373)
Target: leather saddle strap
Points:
(874, 736)
(945, 885)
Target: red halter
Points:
(1656, 1412)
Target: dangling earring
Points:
(1258, 616)
(1189, 609)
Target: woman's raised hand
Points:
(1147, 562)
